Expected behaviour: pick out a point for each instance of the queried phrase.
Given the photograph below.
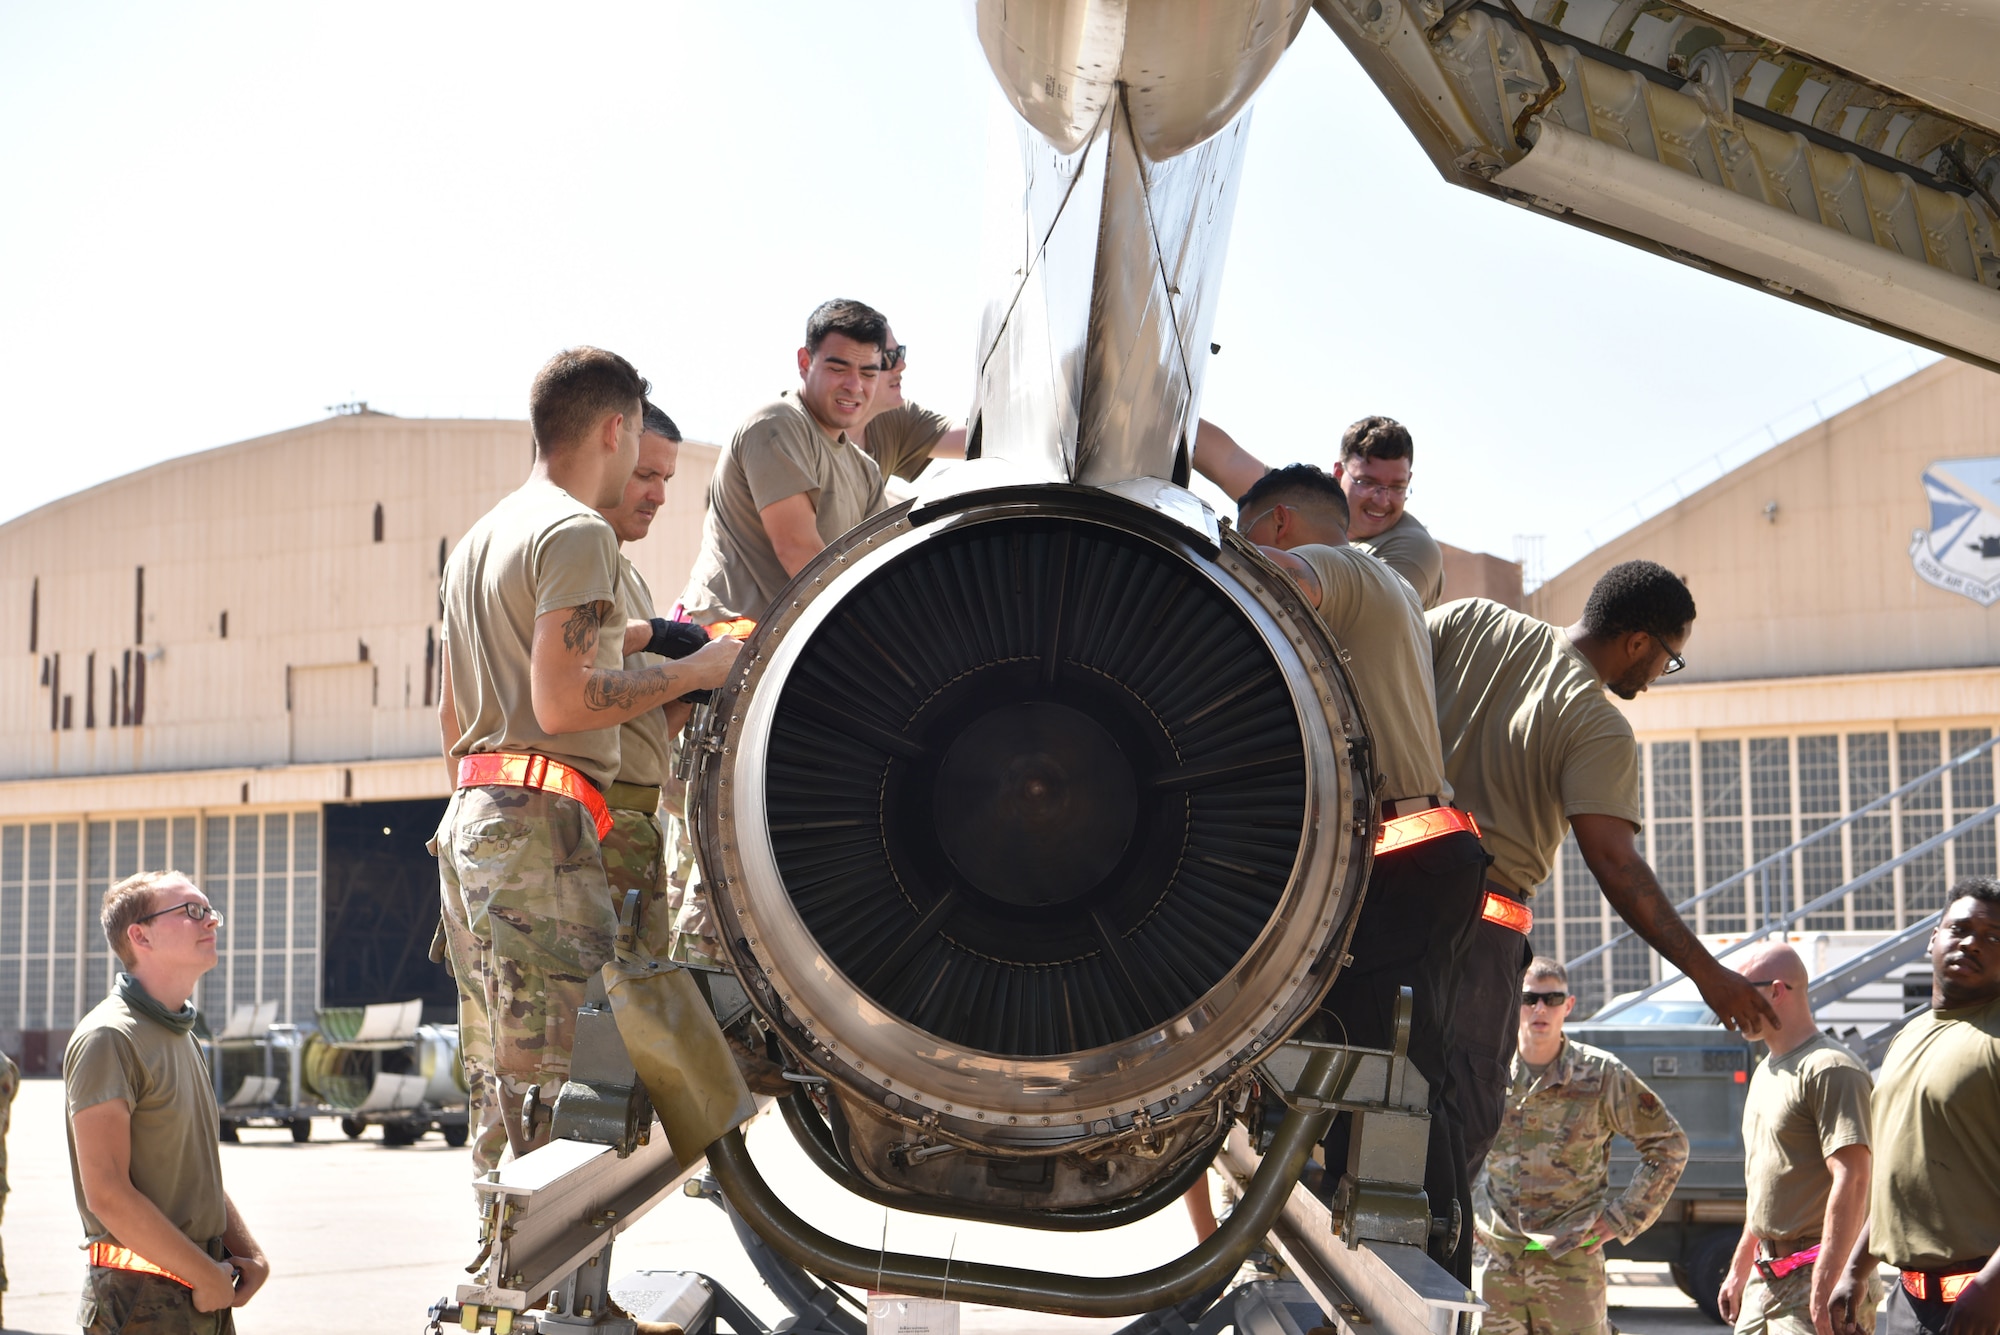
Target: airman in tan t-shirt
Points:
(1375, 616)
(1533, 748)
(1530, 739)
(792, 479)
(781, 451)
(540, 550)
(1422, 905)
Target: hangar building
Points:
(227, 663)
(1847, 643)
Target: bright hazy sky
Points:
(217, 220)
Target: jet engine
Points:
(1031, 822)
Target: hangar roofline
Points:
(337, 421)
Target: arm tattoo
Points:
(580, 631)
(605, 690)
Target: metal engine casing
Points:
(1083, 1077)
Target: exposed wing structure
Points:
(1843, 154)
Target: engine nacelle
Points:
(1030, 820)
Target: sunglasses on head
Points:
(1549, 999)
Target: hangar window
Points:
(223, 623)
(1923, 816)
(1722, 831)
(1748, 799)
(1873, 837)
(378, 521)
(1821, 867)
(1971, 793)
(1771, 820)
(35, 614)
(90, 690)
(139, 606)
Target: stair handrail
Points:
(1878, 961)
(1834, 896)
(1786, 852)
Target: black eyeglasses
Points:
(1675, 662)
(894, 357)
(1549, 999)
(196, 913)
(1765, 982)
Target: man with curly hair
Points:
(1534, 750)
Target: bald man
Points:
(1805, 1161)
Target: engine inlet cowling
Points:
(1029, 822)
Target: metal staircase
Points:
(1767, 885)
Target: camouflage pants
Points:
(124, 1302)
(528, 919)
(693, 932)
(1783, 1306)
(1534, 1293)
(635, 859)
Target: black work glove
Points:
(675, 639)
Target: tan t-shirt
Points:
(539, 550)
(1413, 553)
(1374, 615)
(1801, 1107)
(781, 451)
(643, 742)
(900, 441)
(1935, 1194)
(1530, 738)
(118, 1053)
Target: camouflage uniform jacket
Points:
(1548, 1177)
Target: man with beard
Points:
(1533, 749)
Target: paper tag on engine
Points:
(891, 1315)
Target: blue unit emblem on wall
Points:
(1961, 552)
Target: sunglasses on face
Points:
(1549, 999)
(196, 913)
(893, 358)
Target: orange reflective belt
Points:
(1511, 914)
(107, 1256)
(1419, 826)
(1918, 1283)
(517, 769)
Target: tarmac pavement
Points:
(369, 1236)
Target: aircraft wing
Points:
(1843, 154)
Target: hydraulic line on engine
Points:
(1263, 1200)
